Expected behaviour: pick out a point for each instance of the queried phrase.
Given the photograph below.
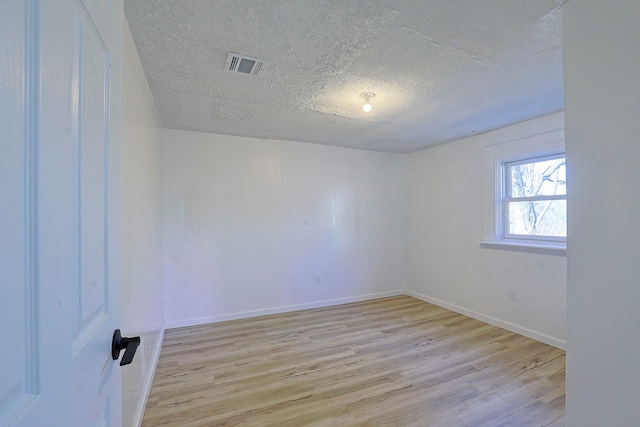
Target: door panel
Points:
(90, 125)
(18, 376)
(95, 36)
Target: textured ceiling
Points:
(440, 69)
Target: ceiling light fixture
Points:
(367, 100)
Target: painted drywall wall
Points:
(602, 65)
(141, 292)
(445, 262)
(260, 226)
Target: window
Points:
(526, 194)
(535, 198)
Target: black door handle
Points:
(129, 345)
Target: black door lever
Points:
(129, 345)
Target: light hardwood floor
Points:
(388, 362)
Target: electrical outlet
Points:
(512, 294)
(316, 279)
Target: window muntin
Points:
(534, 198)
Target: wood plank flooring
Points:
(388, 362)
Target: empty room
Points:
(320, 213)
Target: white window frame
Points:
(495, 157)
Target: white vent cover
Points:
(243, 64)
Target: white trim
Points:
(146, 389)
(547, 339)
(529, 246)
(280, 309)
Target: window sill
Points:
(543, 248)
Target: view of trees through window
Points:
(536, 197)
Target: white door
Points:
(59, 156)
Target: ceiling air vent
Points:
(243, 64)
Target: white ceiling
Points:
(441, 70)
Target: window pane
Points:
(542, 178)
(538, 218)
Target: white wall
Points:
(445, 262)
(141, 293)
(602, 93)
(249, 223)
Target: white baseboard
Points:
(547, 339)
(148, 381)
(281, 309)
